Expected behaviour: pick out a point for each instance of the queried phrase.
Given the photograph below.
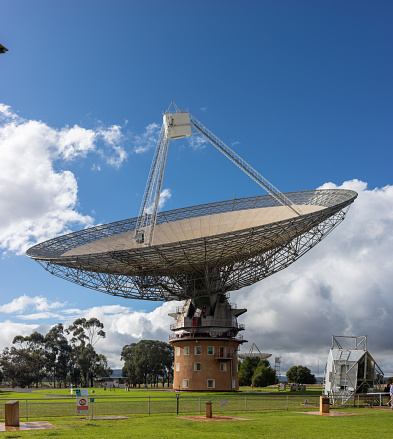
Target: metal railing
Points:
(179, 404)
(176, 404)
(360, 399)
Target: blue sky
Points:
(301, 90)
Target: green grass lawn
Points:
(281, 424)
(269, 424)
(39, 393)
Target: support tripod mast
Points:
(179, 123)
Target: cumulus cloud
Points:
(38, 303)
(197, 142)
(122, 324)
(37, 201)
(148, 139)
(341, 287)
(164, 197)
(9, 329)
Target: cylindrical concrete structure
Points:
(205, 364)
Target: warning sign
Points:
(82, 405)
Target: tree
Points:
(100, 368)
(29, 358)
(129, 370)
(147, 361)
(389, 381)
(300, 375)
(264, 375)
(246, 370)
(17, 366)
(57, 353)
(85, 334)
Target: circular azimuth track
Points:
(197, 251)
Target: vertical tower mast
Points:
(175, 125)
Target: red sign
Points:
(82, 405)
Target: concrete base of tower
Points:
(205, 364)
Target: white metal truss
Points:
(144, 231)
(242, 164)
(151, 198)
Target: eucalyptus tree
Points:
(85, 334)
(58, 354)
(147, 360)
(30, 357)
(129, 369)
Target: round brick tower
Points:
(206, 342)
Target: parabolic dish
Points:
(259, 355)
(197, 251)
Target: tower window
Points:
(186, 350)
(198, 350)
(197, 366)
(185, 384)
(211, 384)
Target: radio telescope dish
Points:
(207, 249)
(197, 254)
(195, 251)
(254, 354)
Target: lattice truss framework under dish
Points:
(197, 267)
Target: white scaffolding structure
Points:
(350, 369)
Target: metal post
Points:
(27, 411)
(200, 406)
(177, 403)
(149, 404)
(287, 402)
(245, 403)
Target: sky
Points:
(300, 90)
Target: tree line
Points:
(54, 358)
(148, 362)
(258, 373)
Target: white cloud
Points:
(342, 287)
(38, 202)
(124, 326)
(165, 194)
(148, 139)
(38, 303)
(164, 197)
(197, 142)
(9, 329)
(121, 324)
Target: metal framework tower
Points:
(277, 364)
(179, 123)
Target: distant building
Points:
(114, 382)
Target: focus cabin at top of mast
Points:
(177, 125)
